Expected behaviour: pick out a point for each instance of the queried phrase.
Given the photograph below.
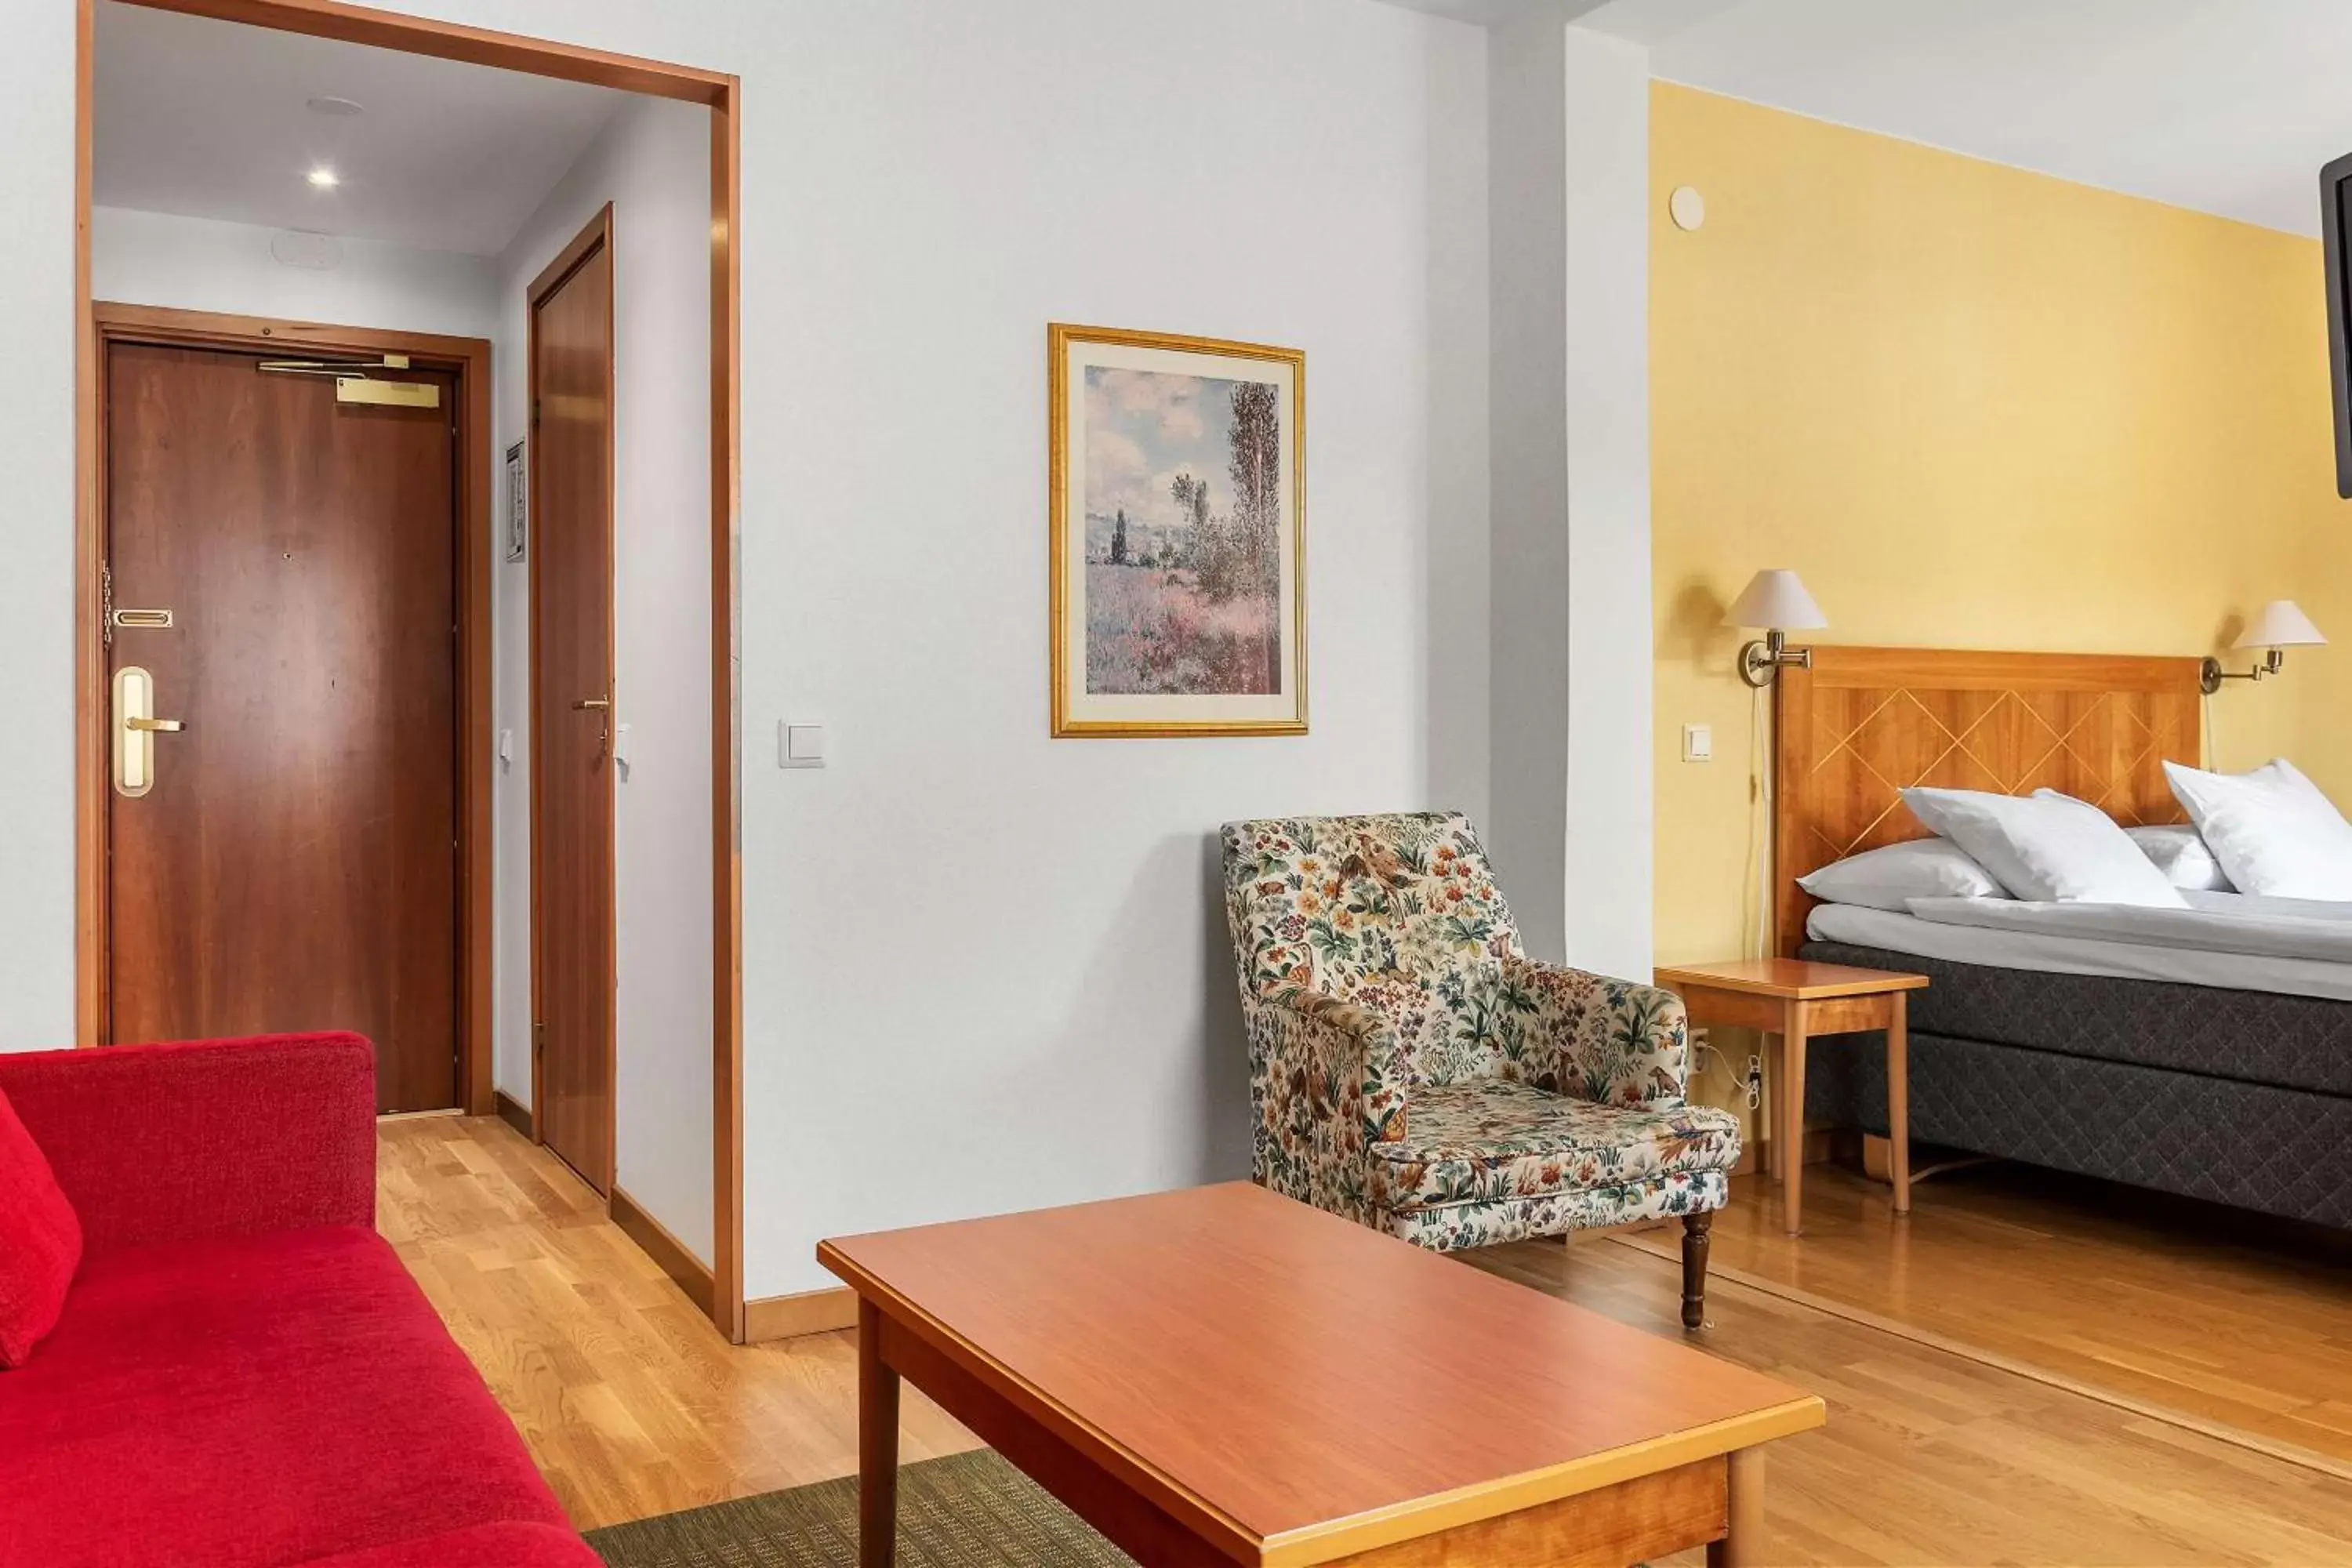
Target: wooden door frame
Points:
(722, 94)
(596, 234)
(470, 360)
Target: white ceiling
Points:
(2225, 106)
(206, 118)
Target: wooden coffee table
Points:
(1791, 1000)
(1220, 1375)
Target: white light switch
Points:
(801, 745)
(1698, 743)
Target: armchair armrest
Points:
(203, 1138)
(1347, 1058)
(1326, 1086)
(1614, 1042)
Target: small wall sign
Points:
(517, 500)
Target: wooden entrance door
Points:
(571, 701)
(292, 864)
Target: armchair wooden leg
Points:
(1694, 1229)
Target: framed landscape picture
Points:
(1178, 535)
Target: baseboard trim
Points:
(692, 1275)
(803, 1313)
(514, 1113)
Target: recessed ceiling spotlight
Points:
(328, 104)
(325, 179)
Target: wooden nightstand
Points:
(1792, 1000)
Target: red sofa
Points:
(243, 1373)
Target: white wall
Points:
(990, 968)
(1459, 490)
(1527, 633)
(202, 264)
(1569, 633)
(652, 162)
(37, 529)
(1606, 357)
(984, 970)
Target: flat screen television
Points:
(2332, 211)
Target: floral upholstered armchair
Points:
(1412, 1068)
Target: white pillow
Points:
(2275, 834)
(2184, 857)
(2181, 853)
(2046, 848)
(1885, 878)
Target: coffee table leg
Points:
(877, 1444)
(1742, 1545)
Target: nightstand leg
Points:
(1793, 1120)
(1775, 1146)
(1898, 1101)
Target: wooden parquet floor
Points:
(634, 1406)
(2214, 1313)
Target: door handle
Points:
(601, 707)
(135, 729)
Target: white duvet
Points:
(2221, 940)
(2213, 922)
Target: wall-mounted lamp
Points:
(2280, 625)
(1775, 600)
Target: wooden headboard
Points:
(1866, 723)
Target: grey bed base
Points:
(2240, 1098)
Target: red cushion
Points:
(197, 1138)
(40, 1241)
(251, 1400)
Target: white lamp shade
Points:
(1775, 600)
(2280, 623)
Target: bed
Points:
(2208, 1054)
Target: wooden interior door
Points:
(572, 696)
(293, 863)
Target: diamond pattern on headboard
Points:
(1862, 724)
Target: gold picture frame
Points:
(1176, 468)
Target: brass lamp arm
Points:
(2209, 674)
(1760, 662)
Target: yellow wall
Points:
(1974, 407)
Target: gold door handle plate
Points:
(135, 729)
(593, 704)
